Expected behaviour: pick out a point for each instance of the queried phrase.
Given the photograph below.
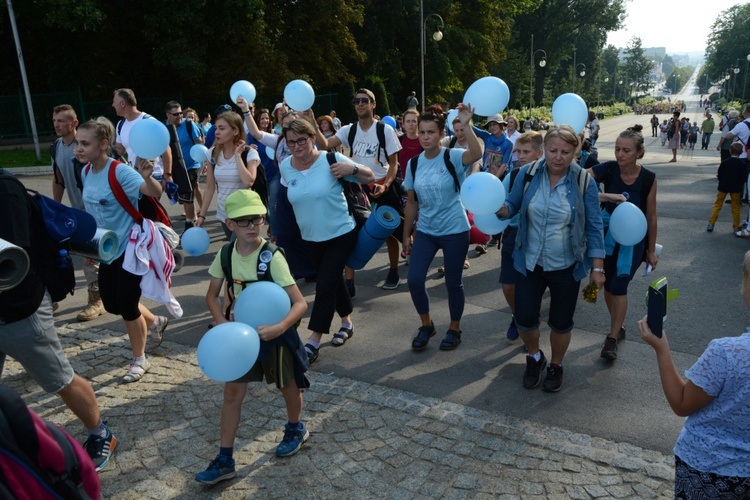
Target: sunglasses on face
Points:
(255, 221)
(361, 100)
(176, 114)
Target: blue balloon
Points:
(490, 224)
(482, 194)
(390, 121)
(244, 89)
(228, 351)
(149, 138)
(195, 241)
(570, 109)
(299, 95)
(488, 96)
(627, 224)
(452, 115)
(262, 303)
(199, 153)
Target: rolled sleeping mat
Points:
(14, 265)
(378, 228)
(102, 247)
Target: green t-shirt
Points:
(246, 268)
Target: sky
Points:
(656, 22)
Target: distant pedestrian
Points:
(411, 101)
(593, 127)
(673, 135)
(654, 125)
(728, 122)
(693, 135)
(732, 176)
(707, 128)
(664, 130)
(712, 459)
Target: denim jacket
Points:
(587, 234)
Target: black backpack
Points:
(356, 198)
(263, 270)
(449, 165)
(77, 167)
(379, 132)
(59, 281)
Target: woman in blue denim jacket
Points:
(560, 238)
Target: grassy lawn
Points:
(23, 158)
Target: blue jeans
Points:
(455, 247)
(274, 184)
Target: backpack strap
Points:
(451, 169)
(55, 168)
(119, 193)
(189, 129)
(530, 173)
(352, 135)
(413, 163)
(226, 267)
(453, 142)
(120, 124)
(380, 133)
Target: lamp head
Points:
(542, 63)
(438, 35)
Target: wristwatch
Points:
(356, 170)
(597, 270)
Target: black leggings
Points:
(120, 290)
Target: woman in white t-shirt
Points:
(234, 166)
(512, 133)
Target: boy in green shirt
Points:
(282, 359)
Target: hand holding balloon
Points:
(465, 113)
(145, 167)
(270, 332)
(243, 104)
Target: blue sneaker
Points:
(512, 333)
(100, 449)
(294, 436)
(221, 468)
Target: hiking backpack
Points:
(263, 270)
(356, 198)
(38, 459)
(58, 277)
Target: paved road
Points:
(619, 403)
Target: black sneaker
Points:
(100, 448)
(553, 381)
(609, 351)
(350, 288)
(532, 377)
(392, 281)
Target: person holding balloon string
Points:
(233, 166)
(443, 224)
(625, 180)
(120, 290)
(327, 228)
(529, 148)
(281, 358)
(497, 147)
(559, 242)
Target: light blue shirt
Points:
(716, 438)
(549, 227)
(318, 199)
(100, 201)
(440, 210)
(186, 143)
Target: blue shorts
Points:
(507, 273)
(618, 285)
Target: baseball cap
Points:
(495, 118)
(222, 109)
(242, 203)
(278, 106)
(367, 92)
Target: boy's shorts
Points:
(279, 368)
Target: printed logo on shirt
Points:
(266, 256)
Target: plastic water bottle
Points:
(63, 259)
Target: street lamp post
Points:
(575, 70)
(734, 82)
(542, 63)
(437, 36)
(747, 62)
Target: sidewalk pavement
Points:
(367, 440)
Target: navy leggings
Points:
(455, 247)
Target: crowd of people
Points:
(281, 169)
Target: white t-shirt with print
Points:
(365, 149)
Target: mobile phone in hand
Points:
(657, 306)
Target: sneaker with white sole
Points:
(392, 281)
(100, 449)
(294, 436)
(156, 333)
(136, 371)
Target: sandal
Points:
(312, 353)
(441, 270)
(136, 371)
(451, 341)
(423, 337)
(340, 337)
